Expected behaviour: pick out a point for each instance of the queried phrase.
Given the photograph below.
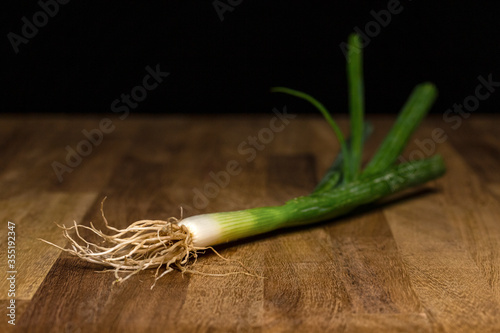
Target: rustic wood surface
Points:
(427, 260)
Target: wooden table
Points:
(427, 260)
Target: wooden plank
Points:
(450, 286)
(474, 216)
(75, 297)
(303, 296)
(25, 163)
(425, 260)
(34, 216)
(301, 286)
(391, 323)
(480, 143)
(37, 143)
(79, 282)
(372, 268)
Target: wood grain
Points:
(426, 260)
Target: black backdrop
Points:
(86, 54)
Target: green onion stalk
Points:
(173, 244)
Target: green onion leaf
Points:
(416, 107)
(328, 117)
(356, 102)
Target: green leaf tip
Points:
(355, 40)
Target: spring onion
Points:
(174, 244)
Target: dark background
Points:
(91, 52)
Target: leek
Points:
(174, 243)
